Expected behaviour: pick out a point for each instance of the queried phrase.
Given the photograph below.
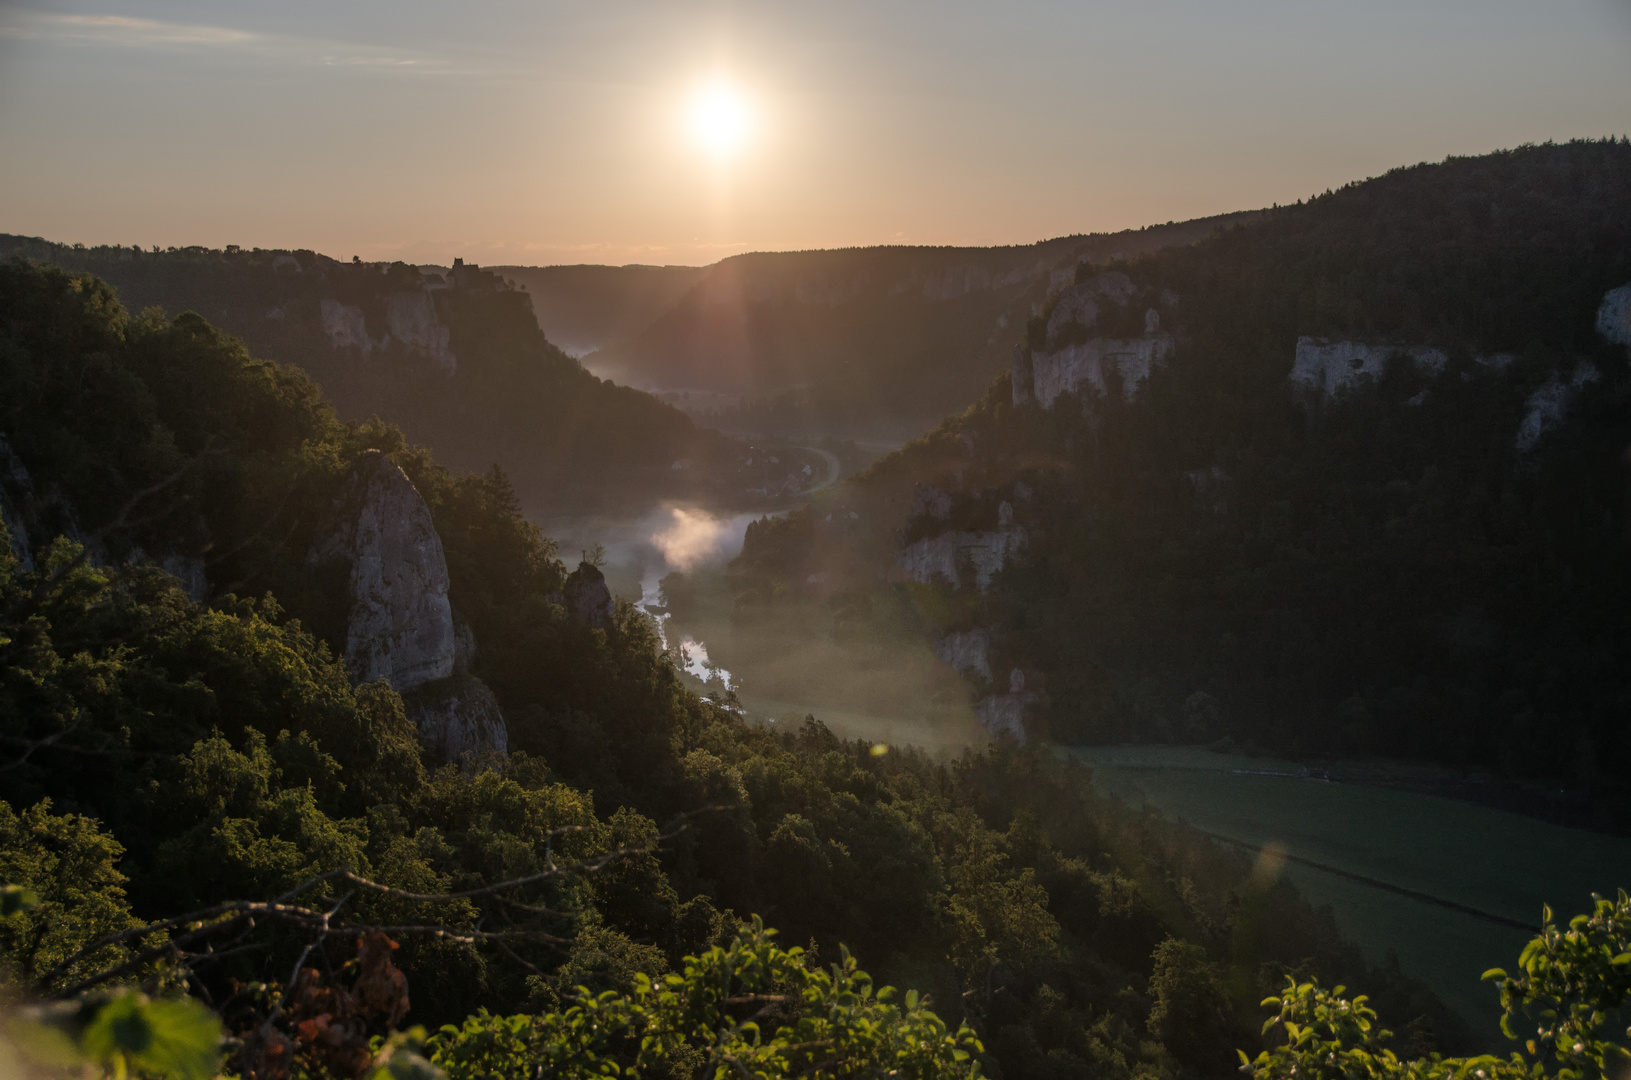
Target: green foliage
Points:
(123, 1035)
(1573, 983)
(195, 753)
(64, 891)
(714, 1019)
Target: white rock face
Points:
(412, 320)
(459, 718)
(345, 326)
(957, 557)
(969, 651)
(1614, 316)
(400, 626)
(1550, 403)
(1324, 367)
(1088, 364)
(1004, 714)
(188, 570)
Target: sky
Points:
(545, 131)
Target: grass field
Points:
(1495, 862)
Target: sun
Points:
(720, 119)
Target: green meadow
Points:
(1501, 864)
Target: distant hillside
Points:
(1349, 479)
(583, 308)
(457, 361)
(862, 340)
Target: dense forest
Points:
(1346, 480)
(456, 360)
(165, 754)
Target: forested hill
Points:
(456, 360)
(170, 746)
(1349, 479)
(869, 341)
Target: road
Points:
(833, 468)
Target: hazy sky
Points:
(547, 132)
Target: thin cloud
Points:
(125, 31)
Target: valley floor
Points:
(1363, 849)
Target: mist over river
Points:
(897, 692)
(640, 550)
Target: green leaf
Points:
(1493, 973)
(179, 1040)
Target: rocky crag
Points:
(400, 625)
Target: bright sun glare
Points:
(720, 118)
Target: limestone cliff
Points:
(1073, 358)
(969, 651)
(399, 622)
(1549, 404)
(411, 323)
(587, 596)
(1004, 714)
(458, 718)
(1325, 367)
(959, 556)
(1614, 315)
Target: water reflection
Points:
(641, 550)
(689, 653)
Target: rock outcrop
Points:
(1004, 714)
(411, 319)
(345, 326)
(399, 624)
(1549, 404)
(411, 322)
(458, 718)
(1324, 367)
(960, 558)
(1091, 362)
(588, 598)
(969, 651)
(1614, 316)
(1073, 358)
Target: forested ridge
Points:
(1420, 559)
(456, 361)
(879, 341)
(164, 756)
